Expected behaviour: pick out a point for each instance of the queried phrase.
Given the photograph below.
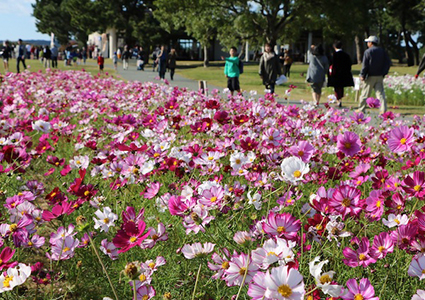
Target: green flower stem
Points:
(196, 282)
(244, 276)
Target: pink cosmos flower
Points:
(360, 118)
(212, 197)
(197, 220)
(373, 103)
(221, 263)
(145, 292)
(239, 265)
(364, 290)
(154, 237)
(283, 283)
(420, 295)
(346, 200)
(152, 190)
(382, 244)
(401, 139)
(415, 186)
(197, 250)
(282, 225)
(63, 249)
(303, 150)
(375, 205)
(417, 267)
(257, 289)
(404, 235)
(349, 143)
(361, 257)
(109, 249)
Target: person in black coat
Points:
(340, 72)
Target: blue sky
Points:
(16, 21)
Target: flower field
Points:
(405, 90)
(129, 190)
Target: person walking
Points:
(125, 58)
(421, 66)
(115, 60)
(141, 59)
(376, 65)
(287, 63)
(317, 70)
(47, 54)
(100, 62)
(231, 71)
(154, 58)
(7, 54)
(162, 62)
(55, 53)
(172, 61)
(22, 52)
(269, 68)
(340, 72)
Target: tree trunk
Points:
(358, 49)
(399, 48)
(206, 60)
(241, 54)
(415, 48)
(409, 54)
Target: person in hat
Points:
(376, 65)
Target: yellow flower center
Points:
(358, 297)
(381, 248)
(423, 271)
(238, 161)
(378, 203)
(319, 227)
(156, 155)
(30, 244)
(242, 271)
(213, 199)
(300, 153)
(142, 277)
(7, 280)
(403, 141)
(106, 220)
(66, 249)
(281, 229)
(210, 158)
(362, 257)
(241, 120)
(271, 253)
(145, 297)
(86, 193)
(13, 227)
(285, 290)
(325, 279)
(78, 162)
(347, 145)
(297, 174)
(397, 221)
(346, 202)
(398, 207)
(133, 239)
(225, 265)
(417, 188)
(152, 265)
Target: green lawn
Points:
(250, 80)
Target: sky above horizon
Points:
(17, 22)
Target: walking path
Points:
(133, 74)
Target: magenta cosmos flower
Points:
(364, 290)
(417, 267)
(361, 257)
(282, 225)
(400, 139)
(346, 200)
(349, 143)
(415, 186)
(303, 150)
(130, 235)
(373, 102)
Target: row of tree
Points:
(235, 22)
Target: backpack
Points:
(240, 67)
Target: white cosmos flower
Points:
(79, 162)
(147, 167)
(417, 267)
(197, 250)
(395, 220)
(420, 295)
(255, 200)
(293, 169)
(324, 280)
(13, 277)
(42, 126)
(106, 219)
(237, 160)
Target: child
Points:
(100, 61)
(115, 60)
(231, 70)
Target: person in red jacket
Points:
(100, 62)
